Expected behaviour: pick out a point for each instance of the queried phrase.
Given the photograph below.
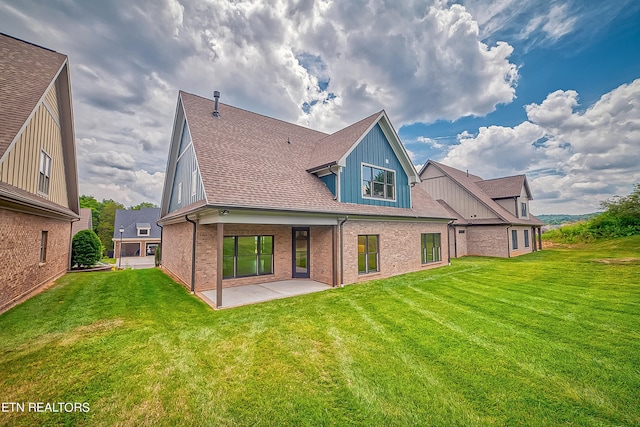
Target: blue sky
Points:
(550, 89)
(592, 63)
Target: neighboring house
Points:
(38, 170)
(492, 216)
(141, 235)
(85, 223)
(249, 199)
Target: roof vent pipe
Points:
(216, 96)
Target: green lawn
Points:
(551, 338)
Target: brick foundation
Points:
(21, 272)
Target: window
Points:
(526, 238)
(45, 173)
(247, 256)
(367, 254)
(523, 209)
(43, 246)
(194, 180)
(430, 247)
(378, 183)
(179, 192)
(514, 239)
(143, 232)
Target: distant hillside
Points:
(558, 219)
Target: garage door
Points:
(130, 249)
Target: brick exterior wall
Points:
(495, 240)
(399, 247)
(400, 251)
(21, 272)
(176, 255)
(458, 241)
(176, 251)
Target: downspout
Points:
(193, 256)
(161, 232)
(335, 197)
(450, 226)
(342, 252)
(71, 243)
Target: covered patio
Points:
(251, 294)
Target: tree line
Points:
(103, 216)
(621, 217)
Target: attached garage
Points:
(130, 249)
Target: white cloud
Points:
(575, 159)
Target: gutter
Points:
(71, 242)
(161, 231)
(193, 255)
(346, 218)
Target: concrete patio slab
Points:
(251, 294)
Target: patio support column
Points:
(219, 249)
(540, 237)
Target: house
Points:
(492, 216)
(140, 233)
(38, 170)
(250, 199)
(85, 223)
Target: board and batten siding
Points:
(330, 182)
(374, 149)
(442, 187)
(21, 165)
(186, 165)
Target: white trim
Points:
(262, 218)
(50, 111)
(384, 199)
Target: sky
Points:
(550, 89)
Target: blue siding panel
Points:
(187, 163)
(330, 182)
(374, 149)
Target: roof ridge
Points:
(253, 112)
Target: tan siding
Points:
(22, 164)
(52, 100)
(431, 172)
(509, 205)
(456, 197)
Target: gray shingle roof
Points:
(473, 183)
(131, 220)
(502, 188)
(248, 160)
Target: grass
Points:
(550, 338)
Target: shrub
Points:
(86, 249)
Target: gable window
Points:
(378, 183)
(523, 209)
(45, 173)
(367, 253)
(179, 192)
(430, 247)
(514, 239)
(526, 238)
(247, 256)
(43, 246)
